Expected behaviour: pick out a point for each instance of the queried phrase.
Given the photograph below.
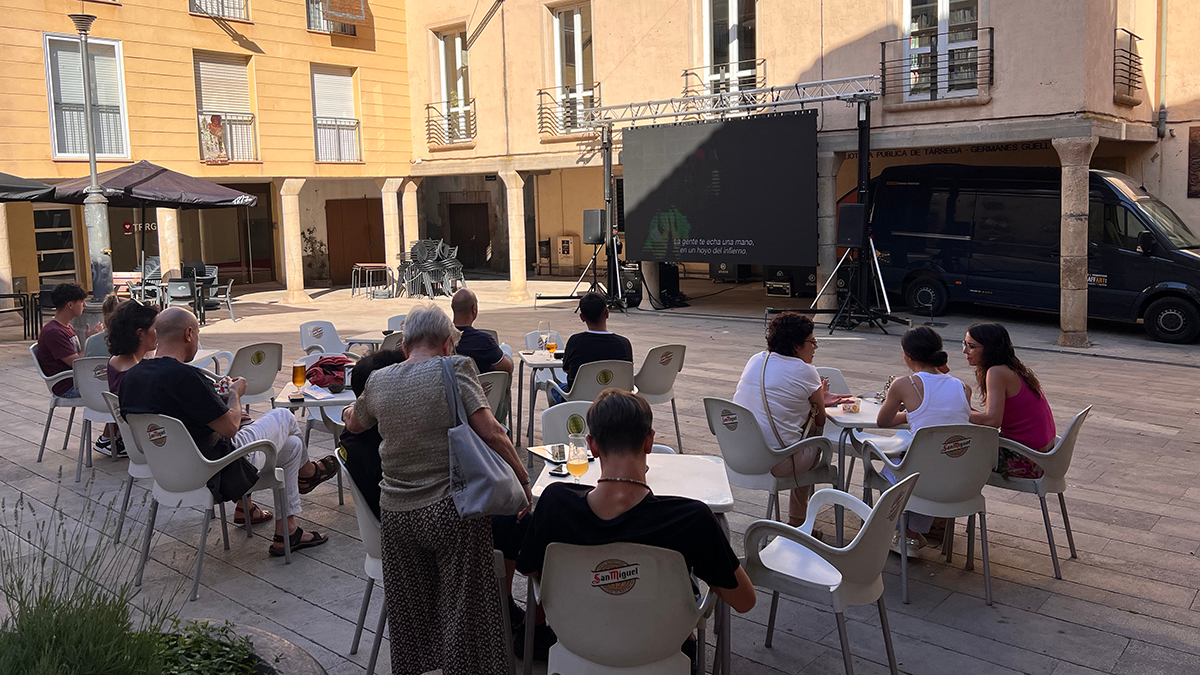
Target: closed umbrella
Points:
(17, 189)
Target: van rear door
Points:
(1015, 247)
(1117, 270)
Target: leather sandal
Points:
(323, 470)
(298, 542)
(257, 515)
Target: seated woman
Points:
(794, 393)
(1017, 404)
(931, 397)
(131, 336)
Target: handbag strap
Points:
(458, 411)
(762, 380)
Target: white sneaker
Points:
(103, 446)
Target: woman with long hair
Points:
(1012, 397)
(131, 336)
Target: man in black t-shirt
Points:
(621, 508)
(597, 343)
(480, 346)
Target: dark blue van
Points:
(985, 234)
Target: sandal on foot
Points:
(324, 469)
(298, 542)
(257, 515)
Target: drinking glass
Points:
(543, 334)
(298, 374)
(577, 457)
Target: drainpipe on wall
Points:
(1161, 62)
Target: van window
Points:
(1026, 218)
(920, 209)
(1113, 224)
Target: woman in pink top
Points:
(1016, 405)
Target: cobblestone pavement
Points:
(1128, 604)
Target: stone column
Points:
(393, 237)
(408, 204)
(6, 273)
(1075, 154)
(168, 242)
(514, 186)
(828, 165)
(293, 247)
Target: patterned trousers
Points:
(442, 601)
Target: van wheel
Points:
(926, 295)
(1173, 320)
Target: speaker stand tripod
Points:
(854, 309)
(595, 284)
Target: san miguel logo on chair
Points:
(604, 377)
(729, 419)
(100, 372)
(615, 577)
(317, 332)
(156, 435)
(956, 446)
(666, 358)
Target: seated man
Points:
(597, 343)
(166, 385)
(481, 347)
(621, 508)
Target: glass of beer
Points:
(551, 345)
(298, 374)
(577, 457)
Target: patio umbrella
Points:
(17, 189)
(151, 186)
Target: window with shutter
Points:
(335, 125)
(223, 108)
(64, 83)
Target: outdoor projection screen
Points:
(742, 191)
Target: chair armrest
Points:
(55, 379)
(708, 603)
(872, 451)
(835, 497)
(264, 446)
(759, 530)
(824, 443)
(352, 356)
(1024, 450)
(208, 373)
(551, 384)
(314, 349)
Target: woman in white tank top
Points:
(930, 396)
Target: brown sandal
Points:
(323, 470)
(257, 515)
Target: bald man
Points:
(166, 385)
(481, 347)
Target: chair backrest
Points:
(489, 331)
(1055, 463)
(396, 322)
(837, 381)
(321, 334)
(868, 552)
(170, 452)
(132, 448)
(496, 385)
(533, 340)
(181, 289)
(618, 605)
(743, 446)
(564, 419)
(259, 363)
(96, 345)
(393, 341)
(368, 525)
(37, 364)
(333, 423)
(593, 378)
(954, 460)
(91, 379)
(661, 449)
(658, 371)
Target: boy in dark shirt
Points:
(621, 508)
(597, 343)
(58, 345)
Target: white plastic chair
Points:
(558, 422)
(396, 323)
(802, 566)
(749, 460)
(393, 341)
(259, 363)
(593, 378)
(181, 475)
(1054, 465)
(335, 428)
(214, 359)
(369, 532)
(56, 401)
(137, 467)
(655, 380)
(321, 336)
(91, 379)
(954, 461)
(622, 627)
(660, 449)
(497, 385)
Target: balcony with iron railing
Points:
(337, 139)
(450, 123)
(107, 121)
(227, 137)
(933, 66)
(724, 84)
(225, 9)
(318, 22)
(561, 109)
(1127, 69)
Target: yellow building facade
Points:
(266, 96)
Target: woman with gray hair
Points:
(442, 600)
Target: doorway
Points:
(355, 234)
(54, 235)
(469, 231)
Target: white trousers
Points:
(278, 426)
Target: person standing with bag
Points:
(442, 602)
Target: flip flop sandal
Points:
(297, 542)
(326, 468)
(257, 516)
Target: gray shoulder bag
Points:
(481, 482)
(762, 382)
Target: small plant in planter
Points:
(73, 608)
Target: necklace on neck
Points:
(618, 479)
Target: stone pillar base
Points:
(1074, 339)
(297, 298)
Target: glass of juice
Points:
(298, 374)
(577, 460)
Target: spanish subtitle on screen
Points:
(715, 246)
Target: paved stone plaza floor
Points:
(1128, 604)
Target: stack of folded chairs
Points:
(431, 268)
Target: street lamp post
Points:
(95, 205)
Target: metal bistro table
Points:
(699, 477)
(865, 418)
(536, 361)
(372, 340)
